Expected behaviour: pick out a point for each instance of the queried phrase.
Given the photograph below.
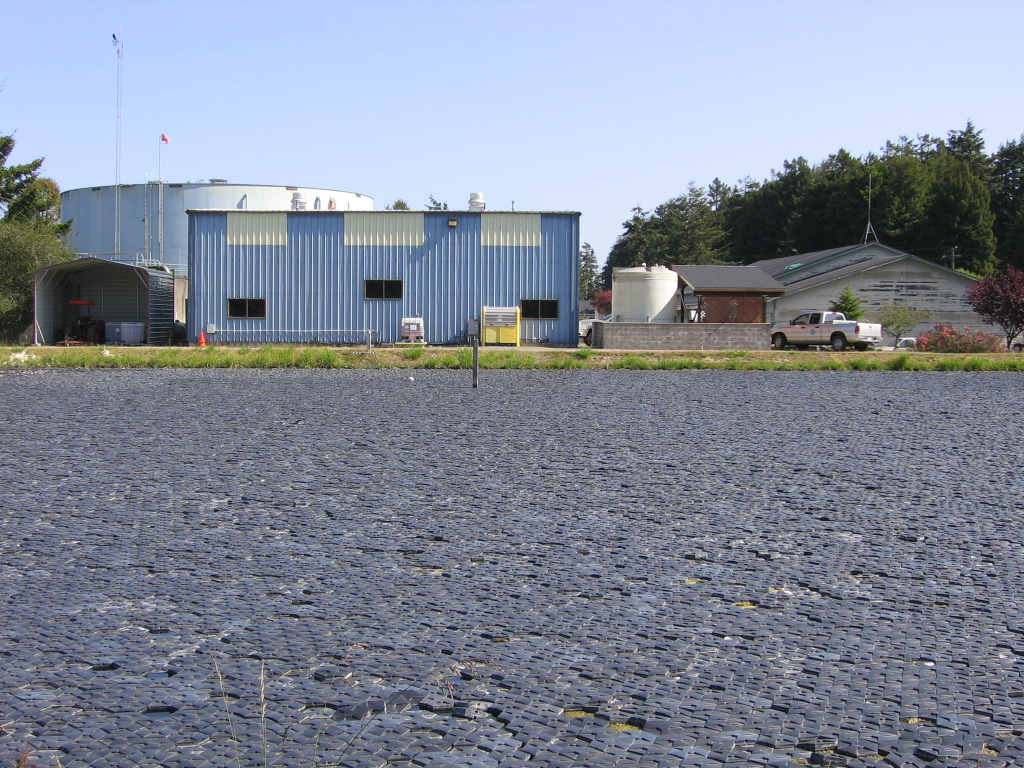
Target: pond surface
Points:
(585, 568)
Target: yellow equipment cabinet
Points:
(500, 325)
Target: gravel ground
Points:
(372, 568)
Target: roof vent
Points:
(298, 201)
(218, 181)
(476, 201)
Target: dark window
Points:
(247, 308)
(382, 289)
(540, 309)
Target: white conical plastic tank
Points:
(644, 295)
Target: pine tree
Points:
(1008, 203)
(849, 304)
(960, 214)
(590, 276)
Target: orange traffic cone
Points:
(202, 338)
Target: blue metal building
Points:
(332, 276)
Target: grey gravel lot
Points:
(390, 568)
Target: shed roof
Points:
(782, 264)
(865, 266)
(90, 262)
(704, 278)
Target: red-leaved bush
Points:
(946, 338)
(602, 302)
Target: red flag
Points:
(164, 138)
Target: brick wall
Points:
(681, 336)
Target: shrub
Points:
(946, 338)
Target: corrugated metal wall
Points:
(312, 276)
(161, 306)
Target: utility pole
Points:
(117, 150)
(870, 230)
(952, 258)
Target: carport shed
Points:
(86, 297)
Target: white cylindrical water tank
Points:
(644, 295)
(154, 222)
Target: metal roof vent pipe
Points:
(476, 201)
(298, 201)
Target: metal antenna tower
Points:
(117, 150)
(870, 231)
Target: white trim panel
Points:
(257, 228)
(404, 229)
(510, 229)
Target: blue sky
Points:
(559, 105)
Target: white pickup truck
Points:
(826, 329)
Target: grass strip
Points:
(501, 358)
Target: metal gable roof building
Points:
(877, 274)
(799, 266)
(781, 265)
(337, 277)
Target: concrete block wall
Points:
(682, 336)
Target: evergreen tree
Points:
(25, 196)
(759, 222)
(901, 185)
(631, 247)
(590, 276)
(928, 195)
(960, 215)
(683, 230)
(849, 304)
(968, 146)
(14, 179)
(832, 211)
(1008, 202)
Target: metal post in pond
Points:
(476, 360)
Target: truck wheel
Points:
(839, 342)
(779, 341)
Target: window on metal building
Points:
(539, 309)
(382, 289)
(252, 309)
